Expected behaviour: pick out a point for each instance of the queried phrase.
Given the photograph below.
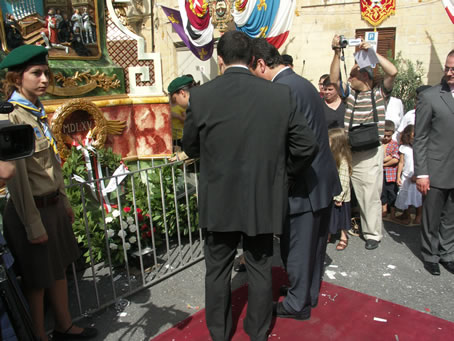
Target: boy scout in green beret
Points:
(178, 90)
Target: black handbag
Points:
(365, 135)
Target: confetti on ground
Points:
(343, 274)
(116, 278)
(330, 274)
(427, 309)
(394, 233)
(122, 314)
(386, 275)
(191, 307)
(378, 319)
(333, 266)
(391, 266)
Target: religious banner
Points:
(265, 19)
(195, 29)
(375, 11)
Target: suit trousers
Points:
(220, 250)
(303, 249)
(367, 181)
(437, 233)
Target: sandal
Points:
(342, 245)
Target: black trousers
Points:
(303, 249)
(389, 192)
(437, 233)
(220, 251)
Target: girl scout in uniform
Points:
(38, 215)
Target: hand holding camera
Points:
(341, 42)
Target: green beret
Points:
(179, 83)
(25, 55)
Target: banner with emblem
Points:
(192, 23)
(270, 19)
(375, 11)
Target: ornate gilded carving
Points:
(74, 85)
(221, 13)
(63, 121)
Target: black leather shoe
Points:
(86, 334)
(279, 311)
(371, 244)
(448, 266)
(433, 268)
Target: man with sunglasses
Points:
(365, 104)
(433, 150)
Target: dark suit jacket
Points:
(433, 146)
(244, 128)
(315, 188)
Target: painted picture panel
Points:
(67, 28)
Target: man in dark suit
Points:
(303, 244)
(245, 130)
(433, 150)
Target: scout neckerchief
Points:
(16, 98)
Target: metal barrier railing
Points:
(142, 232)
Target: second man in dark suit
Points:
(303, 244)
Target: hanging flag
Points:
(375, 11)
(201, 45)
(270, 19)
(449, 7)
(261, 17)
(282, 23)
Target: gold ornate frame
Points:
(98, 133)
(51, 52)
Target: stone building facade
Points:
(423, 32)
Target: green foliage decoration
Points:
(409, 78)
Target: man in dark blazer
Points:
(303, 244)
(433, 150)
(244, 129)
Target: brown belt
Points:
(46, 200)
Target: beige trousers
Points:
(367, 181)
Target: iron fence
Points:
(139, 233)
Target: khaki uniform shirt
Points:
(37, 175)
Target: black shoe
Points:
(433, 268)
(279, 311)
(283, 290)
(239, 267)
(86, 334)
(371, 244)
(448, 266)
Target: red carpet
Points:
(342, 314)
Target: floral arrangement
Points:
(124, 233)
(123, 226)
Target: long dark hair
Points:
(405, 138)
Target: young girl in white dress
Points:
(408, 194)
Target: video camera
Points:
(16, 140)
(344, 42)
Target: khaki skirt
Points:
(40, 265)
